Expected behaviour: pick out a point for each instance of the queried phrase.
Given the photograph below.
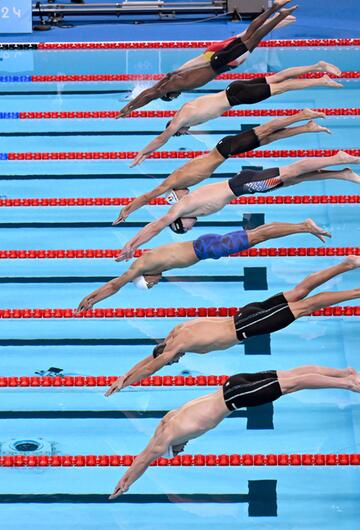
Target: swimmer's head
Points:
(183, 224)
(159, 349)
(181, 131)
(169, 96)
(147, 281)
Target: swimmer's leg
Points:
(310, 127)
(327, 174)
(259, 21)
(276, 230)
(292, 173)
(316, 380)
(296, 71)
(315, 369)
(301, 84)
(252, 42)
(315, 279)
(278, 124)
(319, 301)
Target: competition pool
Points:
(300, 468)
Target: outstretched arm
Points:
(141, 370)
(142, 200)
(106, 290)
(160, 140)
(140, 101)
(148, 232)
(156, 447)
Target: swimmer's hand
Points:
(85, 304)
(121, 217)
(126, 253)
(120, 488)
(140, 157)
(115, 387)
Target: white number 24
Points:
(5, 12)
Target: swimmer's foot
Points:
(312, 228)
(309, 114)
(281, 3)
(352, 262)
(323, 66)
(312, 126)
(286, 22)
(354, 382)
(288, 10)
(327, 81)
(345, 158)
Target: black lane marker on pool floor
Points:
(112, 133)
(249, 221)
(95, 279)
(261, 417)
(258, 345)
(261, 498)
(120, 176)
(93, 91)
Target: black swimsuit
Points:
(251, 390)
(239, 143)
(258, 318)
(252, 181)
(221, 59)
(248, 92)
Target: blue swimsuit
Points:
(215, 246)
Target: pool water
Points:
(79, 421)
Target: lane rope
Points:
(154, 312)
(112, 253)
(123, 201)
(187, 460)
(136, 45)
(164, 114)
(85, 78)
(129, 155)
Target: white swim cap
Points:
(172, 198)
(140, 282)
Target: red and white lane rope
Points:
(129, 155)
(153, 312)
(170, 113)
(199, 460)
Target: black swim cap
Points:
(170, 96)
(177, 226)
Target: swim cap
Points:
(177, 226)
(172, 197)
(140, 282)
(169, 96)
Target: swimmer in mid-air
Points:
(255, 90)
(203, 335)
(147, 270)
(211, 198)
(202, 414)
(217, 46)
(172, 84)
(200, 168)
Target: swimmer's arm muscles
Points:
(106, 290)
(146, 197)
(141, 100)
(152, 229)
(147, 367)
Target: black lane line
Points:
(89, 92)
(96, 414)
(112, 133)
(129, 498)
(95, 279)
(79, 342)
(108, 224)
(84, 176)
